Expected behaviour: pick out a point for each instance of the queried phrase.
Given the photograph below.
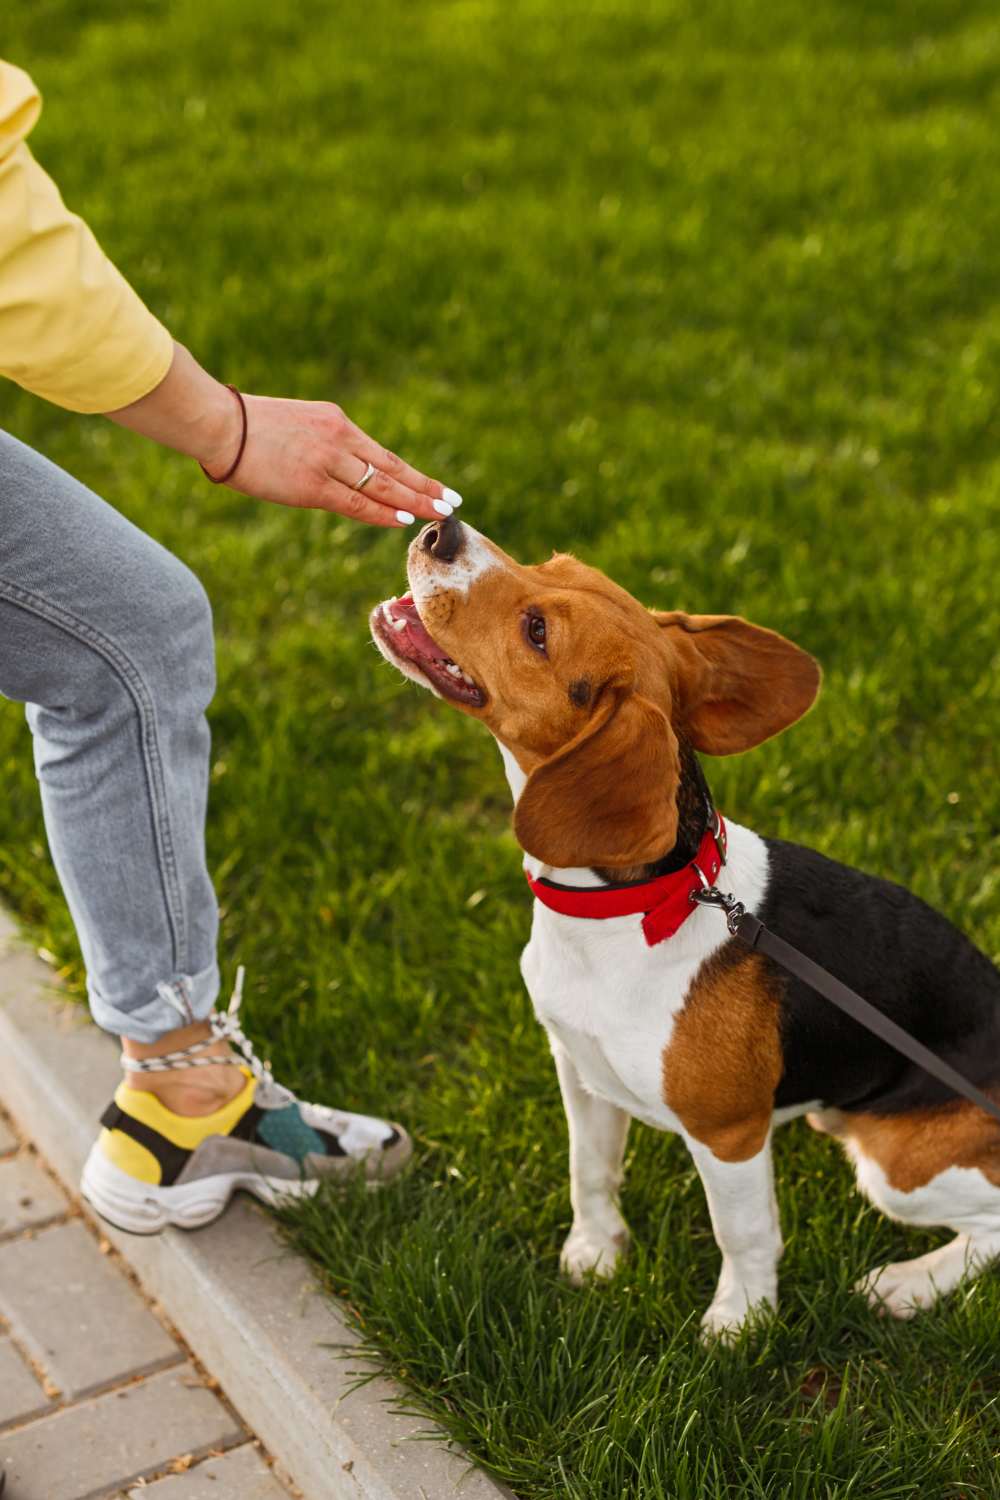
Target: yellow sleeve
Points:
(71, 328)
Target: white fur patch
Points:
(428, 577)
(516, 778)
(609, 999)
(960, 1197)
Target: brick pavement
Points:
(99, 1398)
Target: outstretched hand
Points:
(310, 453)
(301, 453)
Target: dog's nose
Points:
(442, 539)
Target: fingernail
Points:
(453, 498)
(443, 508)
(404, 518)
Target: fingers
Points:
(360, 507)
(397, 496)
(421, 490)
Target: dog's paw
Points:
(899, 1290)
(592, 1251)
(731, 1310)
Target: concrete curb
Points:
(249, 1309)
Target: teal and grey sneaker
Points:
(150, 1167)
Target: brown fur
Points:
(651, 677)
(913, 1148)
(720, 664)
(724, 1060)
(626, 757)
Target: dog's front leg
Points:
(597, 1135)
(744, 1215)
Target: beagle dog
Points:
(599, 707)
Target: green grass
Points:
(709, 294)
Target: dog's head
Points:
(588, 690)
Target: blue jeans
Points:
(107, 638)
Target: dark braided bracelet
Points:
(239, 452)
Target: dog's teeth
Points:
(454, 670)
(399, 624)
(468, 679)
(390, 602)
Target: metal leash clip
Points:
(710, 895)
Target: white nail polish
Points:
(453, 498)
(442, 507)
(404, 518)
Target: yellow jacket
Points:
(71, 327)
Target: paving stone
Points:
(21, 1396)
(27, 1196)
(241, 1475)
(8, 1140)
(250, 1310)
(102, 1446)
(76, 1313)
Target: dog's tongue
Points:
(419, 639)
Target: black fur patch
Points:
(902, 956)
(579, 692)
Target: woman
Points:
(107, 638)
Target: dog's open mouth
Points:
(401, 631)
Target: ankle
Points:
(196, 1090)
(191, 1091)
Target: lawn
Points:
(709, 294)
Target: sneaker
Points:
(150, 1167)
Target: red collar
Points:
(665, 901)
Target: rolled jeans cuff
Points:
(179, 1001)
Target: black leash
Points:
(745, 926)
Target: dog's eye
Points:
(535, 630)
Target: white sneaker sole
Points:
(143, 1208)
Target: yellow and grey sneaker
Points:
(150, 1167)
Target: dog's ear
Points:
(735, 684)
(608, 796)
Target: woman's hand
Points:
(306, 453)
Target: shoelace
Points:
(225, 1027)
